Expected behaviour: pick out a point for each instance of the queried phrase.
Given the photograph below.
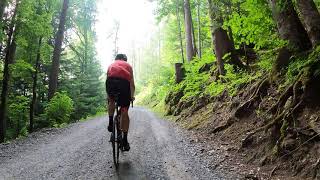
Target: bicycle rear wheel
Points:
(116, 140)
(113, 141)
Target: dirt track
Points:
(82, 151)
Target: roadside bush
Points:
(18, 114)
(59, 109)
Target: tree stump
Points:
(180, 72)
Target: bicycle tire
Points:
(115, 160)
(118, 139)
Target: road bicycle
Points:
(116, 134)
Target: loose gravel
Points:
(159, 150)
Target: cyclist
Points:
(120, 81)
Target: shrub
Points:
(59, 109)
(18, 114)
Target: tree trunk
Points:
(9, 58)
(5, 89)
(194, 40)
(311, 19)
(189, 34)
(34, 87)
(179, 29)
(53, 78)
(221, 48)
(235, 60)
(2, 7)
(289, 26)
(199, 30)
(282, 61)
(215, 33)
(179, 72)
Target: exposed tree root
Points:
(259, 91)
(289, 105)
(265, 128)
(284, 112)
(280, 119)
(282, 100)
(273, 171)
(316, 166)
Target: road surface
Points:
(82, 151)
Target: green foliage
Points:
(215, 88)
(233, 81)
(59, 109)
(299, 63)
(156, 87)
(236, 80)
(317, 3)
(266, 59)
(194, 83)
(80, 70)
(18, 114)
(253, 23)
(21, 69)
(294, 69)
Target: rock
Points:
(211, 152)
(231, 149)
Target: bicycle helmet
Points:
(121, 57)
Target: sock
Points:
(110, 119)
(125, 136)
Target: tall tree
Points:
(53, 78)
(289, 26)
(311, 19)
(9, 58)
(189, 31)
(34, 86)
(199, 29)
(83, 85)
(179, 29)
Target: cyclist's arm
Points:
(132, 85)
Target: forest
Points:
(242, 72)
(49, 72)
(245, 72)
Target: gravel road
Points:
(159, 150)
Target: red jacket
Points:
(120, 69)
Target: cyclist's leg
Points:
(124, 120)
(111, 107)
(110, 88)
(125, 103)
(124, 125)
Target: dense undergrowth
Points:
(200, 81)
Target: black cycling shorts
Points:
(119, 89)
